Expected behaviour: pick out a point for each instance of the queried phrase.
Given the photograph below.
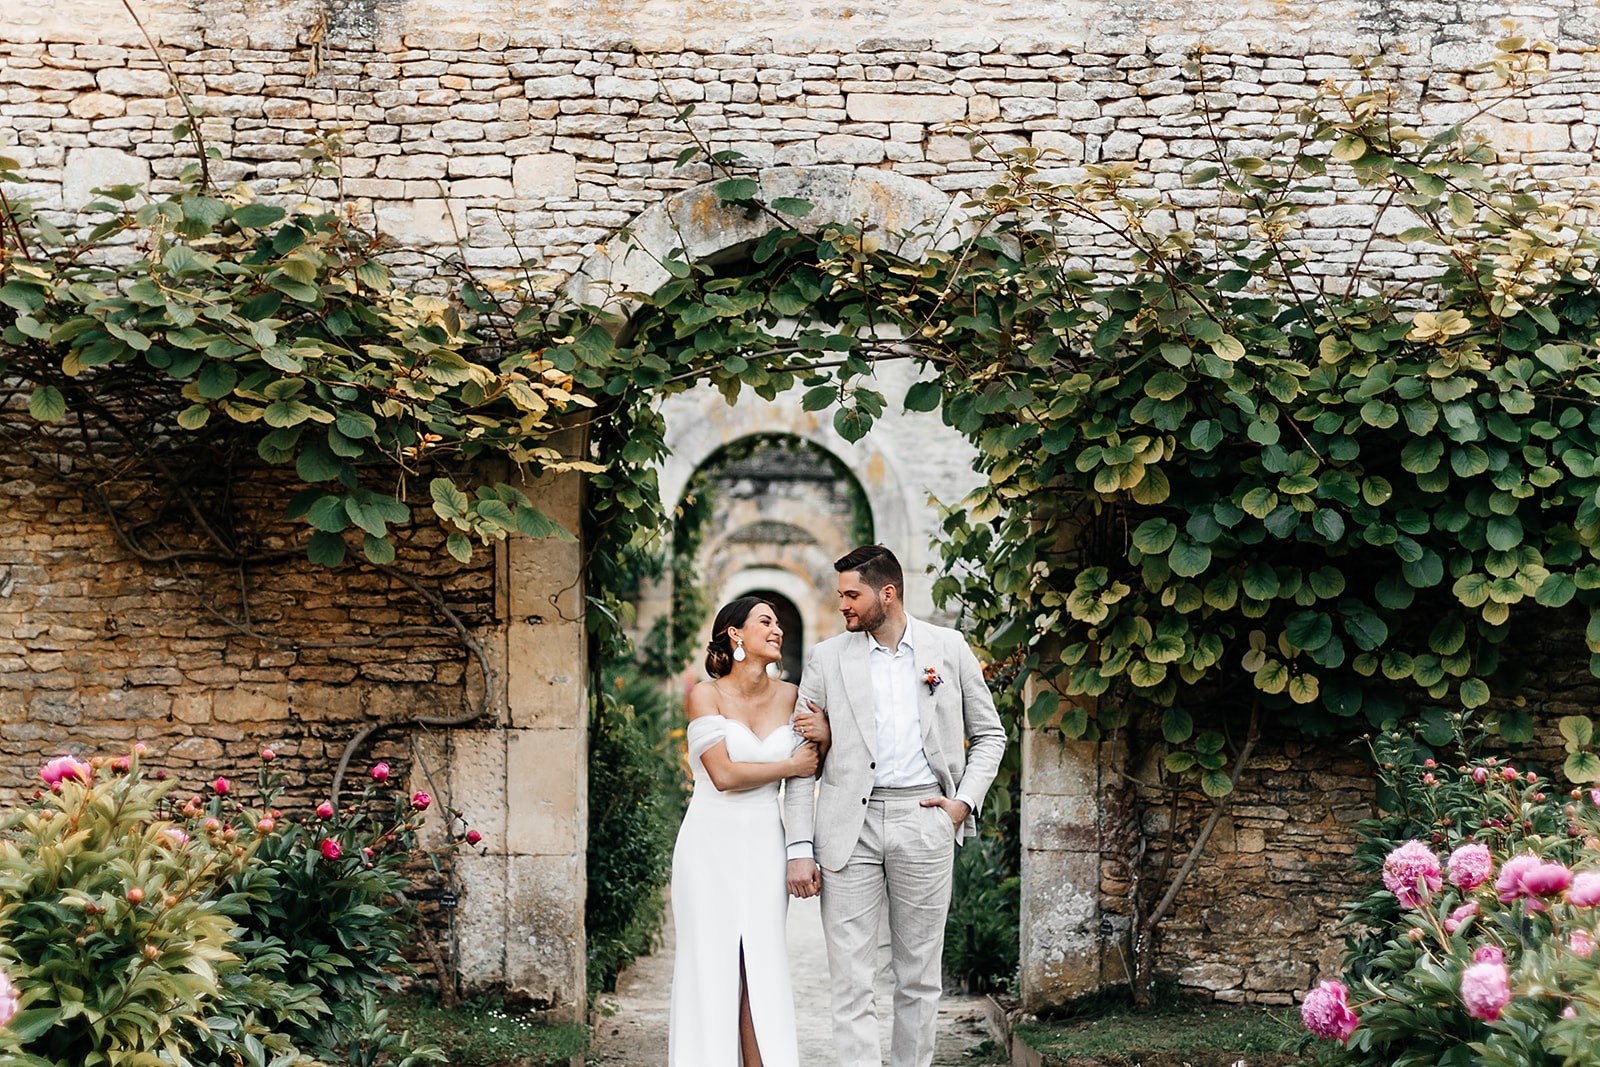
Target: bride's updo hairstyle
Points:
(719, 653)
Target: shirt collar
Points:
(905, 641)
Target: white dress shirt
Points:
(900, 756)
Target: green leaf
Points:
(258, 216)
(1582, 767)
(1516, 727)
(379, 550)
(1474, 693)
(1557, 590)
(1216, 784)
(793, 205)
(823, 396)
(923, 396)
(1504, 532)
(326, 549)
(35, 1022)
(1044, 707)
(1188, 558)
(328, 514)
(194, 416)
(1578, 730)
(1154, 536)
(1177, 726)
(459, 546)
(737, 189)
(449, 502)
(47, 404)
(1309, 630)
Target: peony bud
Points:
(140, 748)
(325, 810)
(221, 786)
(266, 826)
(473, 837)
(420, 801)
(1480, 775)
(330, 849)
(135, 895)
(267, 755)
(380, 772)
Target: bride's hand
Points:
(813, 726)
(805, 761)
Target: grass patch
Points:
(480, 1032)
(1183, 1025)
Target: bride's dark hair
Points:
(719, 653)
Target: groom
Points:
(916, 743)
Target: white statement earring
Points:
(738, 651)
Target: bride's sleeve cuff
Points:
(801, 850)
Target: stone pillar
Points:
(1062, 946)
(525, 785)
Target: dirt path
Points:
(634, 1032)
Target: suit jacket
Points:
(961, 734)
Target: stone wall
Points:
(529, 129)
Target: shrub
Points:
(980, 938)
(636, 790)
(1475, 945)
(141, 931)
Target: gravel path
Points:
(632, 1030)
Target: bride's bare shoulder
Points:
(702, 701)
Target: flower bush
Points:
(135, 928)
(1475, 945)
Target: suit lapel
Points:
(857, 672)
(927, 653)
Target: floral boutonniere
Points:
(933, 679)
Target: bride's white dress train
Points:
(730, 894)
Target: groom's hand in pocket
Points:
(805, 878)
(956, 809)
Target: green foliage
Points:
(637, 793)
(1404, 966)
(980, 936)
(483, 1032)
(286, 328)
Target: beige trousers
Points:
(903, 860)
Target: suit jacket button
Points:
(863, 800)
(872, 766)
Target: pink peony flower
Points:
(1326, 1012)
(1594, 797)
(1585, 891)
(380, 772)
(1580, 943)
(175, 835)
(1489, 954)
(1547, 879)
(1410, 871)
(10, 999)
(222, 786)
(1470, 866)
(325, 810)
(1461, 916)
(1512, 871)
(1480, 775)
(1485, 989)
(267, 755)
(473, 837)
(420, 801)
(1569, 1012)
(330, 849)
(64, 767)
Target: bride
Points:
(732, 1004)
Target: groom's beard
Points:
(867, 620)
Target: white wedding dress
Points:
(730, 894)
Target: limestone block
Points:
(481, 189)
(1059, 145)
(544, 932)
(423, 165)
(1054, 766)
(251, 704)
(565, 87)
(123, 81)
(545, 674)
(481, 930)
(550, 176)
(1060, 927)
(88, 169)
(1060, 823)
(905, 107)
(844, 148)
(948, 148)
(545, 784)
(97, 106)
(478, 783)
(421, 222)
(628, 88)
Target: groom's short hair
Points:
(876, 565)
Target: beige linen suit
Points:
(890, 852)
